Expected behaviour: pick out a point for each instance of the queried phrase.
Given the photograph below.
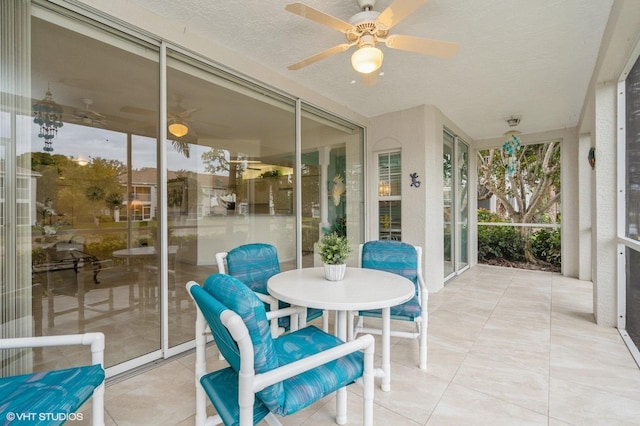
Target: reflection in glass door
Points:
(230, 177)
(462, 205)
(93, 176)
(448, 202)
(331, 181)
(456, 201)
(112, 223)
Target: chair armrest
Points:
(95, 340)
(285, 312)
(266, 298)
(364, 343)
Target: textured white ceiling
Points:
(524, 57)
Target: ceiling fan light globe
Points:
(367, 59)
(178, 129)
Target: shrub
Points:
(498, 242)
(545, 245)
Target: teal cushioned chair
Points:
(254, 264)
(269, 376)
(52, 397)
(405, 260)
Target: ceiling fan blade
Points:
(443, 49)
(397, 11)
(137, 110)
(319, 17)
(369, 79)
(319, 56)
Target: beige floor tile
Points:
(579, 404)
(462, 406)
(506, 347)
(511, 384)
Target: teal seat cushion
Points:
(305, 388)
(56, 393)
(222, 388)
(408, 311)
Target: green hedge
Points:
(506, 242)
(545, 245)
(498, 242)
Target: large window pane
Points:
(389, 196)
(331, 173)
(230, 178)
(93, 220)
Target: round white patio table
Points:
(361, 289)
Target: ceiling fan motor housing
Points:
(365, 24)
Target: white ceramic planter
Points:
(335, 272)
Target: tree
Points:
(532, 191)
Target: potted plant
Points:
(334, 250)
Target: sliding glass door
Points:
(455, 166)
(92, 180)
(230, 176)
(120, 198)
(331, 181)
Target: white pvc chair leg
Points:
(368, 378)
(423, 346)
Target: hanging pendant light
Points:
(178, 128)
(48, 115)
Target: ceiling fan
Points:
(179, 121)
(88, 116)
(365, 30)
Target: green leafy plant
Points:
(546, 245)
(334, 249)
(498, 242)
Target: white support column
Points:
(603, 208)
(584, 208)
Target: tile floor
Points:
(506, 347)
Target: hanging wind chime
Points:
(48, 115)
(511, 146)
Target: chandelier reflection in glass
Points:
(511, 147)
(48, 115)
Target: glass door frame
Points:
(456, 238)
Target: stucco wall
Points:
(417, 132)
